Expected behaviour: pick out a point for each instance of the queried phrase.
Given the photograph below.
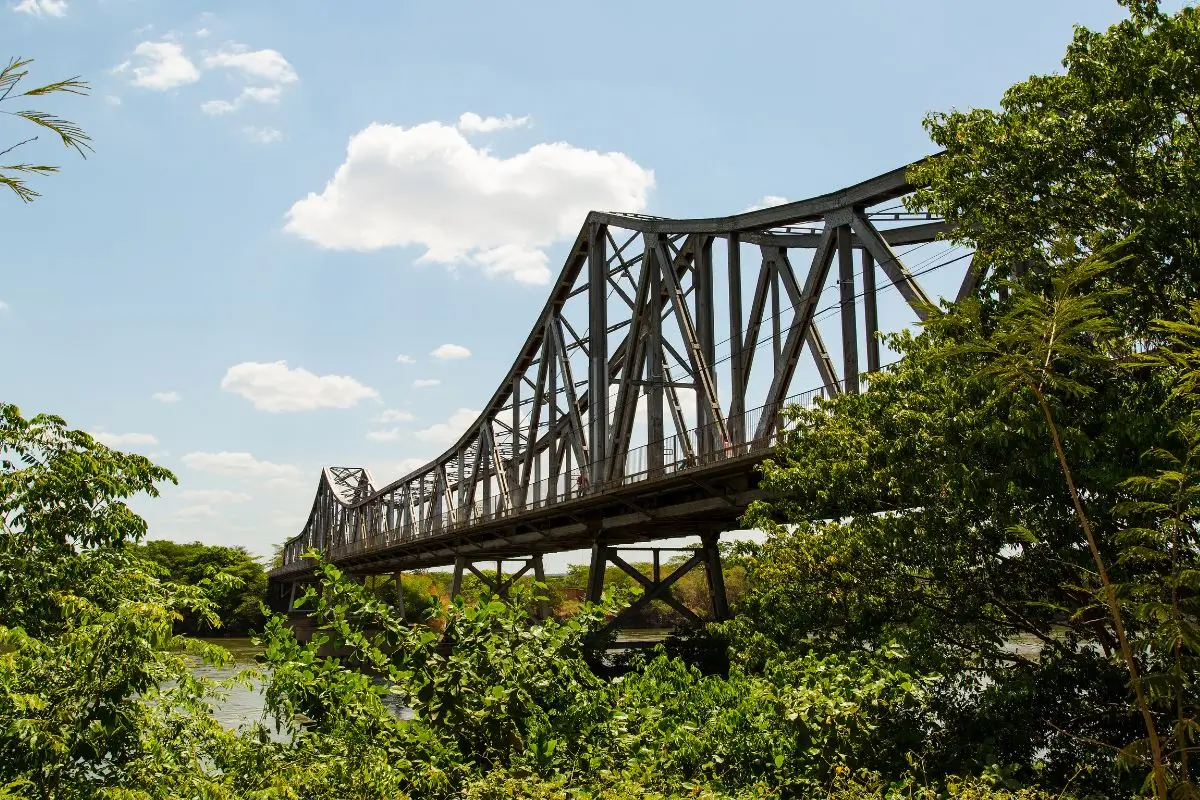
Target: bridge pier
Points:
(658, 587)
(499, 585)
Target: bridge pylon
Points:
(499, 584)
(657, 586)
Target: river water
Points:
(243, 705)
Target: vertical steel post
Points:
(870, 311)
(655, 429)
(716, 577)
(514, 477)
(597, 351)
(849, 317)
(539, 575)
(776, 314)
(705, 331)
(456, 581)
(485, 464)
(737, 395)
(599, 563)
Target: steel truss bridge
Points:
(650, 387)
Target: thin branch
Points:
(8, 150)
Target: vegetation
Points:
(235, 582)
(1026, 474)
(14, 175)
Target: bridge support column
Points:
(499, 584)
(657, 587)
(396, 576)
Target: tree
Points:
(1022, 474)
(237, 599)
(14, 175)
(1078, 161)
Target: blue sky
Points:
(315, 183)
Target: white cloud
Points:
(123, 439)
(425, 383)
(3, 306)
(447, 352)
(163, 66)
(473, 123)
(767, 202)
(274, 387)
(167, 397)
(427, 185)
(215, 496)
(403, 359)
(266, 64)
(112, 99)
(263, 135)
(194, 512)
(395, 415)
(52, 8)
(400, 469)
(202, 33)
(238, 465)
(255, 94)
(444, 433)
(385, 435)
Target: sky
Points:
(317, 233)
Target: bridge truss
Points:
(664, 355)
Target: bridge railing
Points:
(698, 448)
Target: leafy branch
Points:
(70, 134)
(1038, 332)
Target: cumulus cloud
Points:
(428, 185)
(395, 415)
(50, 8)
(473, 123)
(167, 397)
(251, 94)
(202, 33)
(268, 65)
(160, 66)
(444, 433)
(425, 383)
(238, 465)
(200, 510)
(275, 387)
(447, 352)
(263, 135)
(3, 306)
(767, 202)
(214, 496)
(385, 435)
(403, 467)
(124, 439)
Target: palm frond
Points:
(71, 134)
(69, 86)
(12, 74)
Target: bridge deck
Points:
(680, 500)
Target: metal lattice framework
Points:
(648, 360)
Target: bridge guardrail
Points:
(702, 446)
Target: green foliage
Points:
(1083, 159)
(232, 578)
(71, 135)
